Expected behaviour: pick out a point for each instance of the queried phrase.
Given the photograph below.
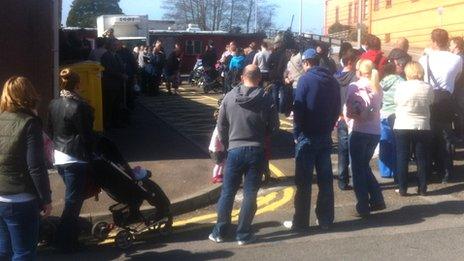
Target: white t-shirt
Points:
(261, 59)
(446, 68)
(62, 158)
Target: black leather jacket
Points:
(70, 127)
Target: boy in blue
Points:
(317, 107)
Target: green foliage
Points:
(353, 36)
(84, 13)
(338, 27)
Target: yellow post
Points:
(91, 88)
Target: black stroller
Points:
(113, 174)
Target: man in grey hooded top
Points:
(246, 116)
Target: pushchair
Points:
(113, 174)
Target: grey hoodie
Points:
(246, 116)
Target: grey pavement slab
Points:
(179, 167)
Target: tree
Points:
(221, 14)
(84, 13)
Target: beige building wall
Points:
(415, 19)
(345, 12)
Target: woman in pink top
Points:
(362, 109)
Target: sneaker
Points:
(322, 226)
(401, 193)
(377, 207)
(250, 240)
(288, 224)
(215, 239)
(345, 187)
(217, 180)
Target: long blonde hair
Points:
(18, 94)
(367, 68)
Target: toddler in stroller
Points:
(130, 188)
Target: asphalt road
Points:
(411, 228)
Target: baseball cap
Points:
(309, 54)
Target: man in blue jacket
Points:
(317, 107)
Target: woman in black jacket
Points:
(70, 126)
(24, 183)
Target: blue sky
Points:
(313, 12)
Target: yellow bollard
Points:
(91, 88)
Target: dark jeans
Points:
(387, 148)
(247, 162)
(74, 177)
(366, 187)
(417, 141)
(343, 155)
(441, 147)
(313, 152)
(19, 230)
(441, 116)
(112, 101)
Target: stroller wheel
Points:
(165, 227)
(124, 239)
(100, 230)
(46, 232)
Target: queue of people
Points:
(409, 109)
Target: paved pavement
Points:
(411, 228)
(179, 167)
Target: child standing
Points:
(217, 153)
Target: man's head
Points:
(349, 59)
(402, 44)
(310, 59)
(457, 45)
(158, 45)
(373, 43)
(397, 60)
(251, 76)
(232, 47)
(440, 39)
(264, 46)
(253, 46)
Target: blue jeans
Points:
(343, 155)
(387, 152)
(313, 152)
(366, 187)
(74, 177)
(19, 230)
(247, 162)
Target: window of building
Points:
(387, 38)
(388, 3)
(337, 18)
(364, 9)
(350, 7)
(356, 11)
(376, 5)
(193, 47)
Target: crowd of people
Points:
(127, 72)
(410, 110)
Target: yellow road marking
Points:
(262, 202)
(286, 122)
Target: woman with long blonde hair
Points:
(24, 183)
(362, 109)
